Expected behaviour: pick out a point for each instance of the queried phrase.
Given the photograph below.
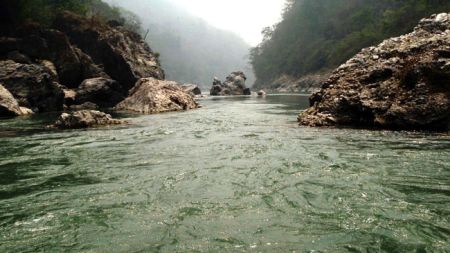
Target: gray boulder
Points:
(101, 91)
(193, 89)
(233, 85)
(151, 95)
(9, 106)
(32, 85)
(85, 119)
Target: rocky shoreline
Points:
(403, 83)
(80, 63)
(307, 84)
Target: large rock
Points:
(403, 83)
(9, 106)
(85, 119)
(233, 85)
(33, 43)
(32, 85)
(151, 95)
(123, 54)
(101, 91)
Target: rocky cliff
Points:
(77, 63)
(403, 83)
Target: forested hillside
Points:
(316, 35)
(191, 51)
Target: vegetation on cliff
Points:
(321, 34)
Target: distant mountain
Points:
(191, 51)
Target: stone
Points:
(32, 85)
(233, 85)
(408, 87)
(101, 91)
(18, 57)
(33, 43)
(85, 119)
(9, 107)
(193, 89)
(84, 106)
(261, 93)
(69, 96)
(151, 95)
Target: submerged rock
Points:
(85, 119)
(32, 85)
(9, 106)
(151, 95)
(123, 54)
(233, 85)
(403, 83)
(262, 93)
(101, 91)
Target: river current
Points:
(238, 175)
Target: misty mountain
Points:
(191, 50)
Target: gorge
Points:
(102, 151)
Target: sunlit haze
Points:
(244, 17)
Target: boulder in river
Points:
(151, 95)
(32, 85)
(261, 93)
(123, 54)
(233, 85)
(9, 106)
(101, 91)
(193, 89)
(403, 83)
(85, 119)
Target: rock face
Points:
(85, 119)
(193, 89)
(403, 83)
(101, 91)
(233, 85)
(122, 53)
(33, 43)
(151, 95)
(9, 106)
(32, 85)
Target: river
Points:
(238, 175)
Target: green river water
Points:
(238, 175)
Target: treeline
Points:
(45, 11)
(316, 35)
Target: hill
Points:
(318, 35)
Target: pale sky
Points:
(245, 17)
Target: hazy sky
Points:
(244, 17)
